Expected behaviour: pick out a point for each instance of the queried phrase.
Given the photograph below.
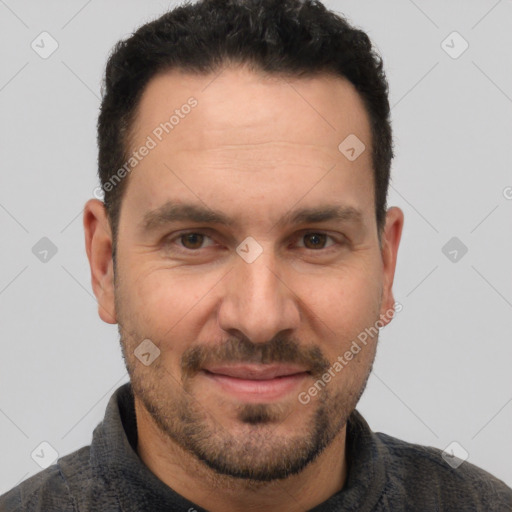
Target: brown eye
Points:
(192, 240)
(314, 240)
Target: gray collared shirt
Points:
(385, 474)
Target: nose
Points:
(258, 301)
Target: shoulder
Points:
(49, 490)
(422, 470)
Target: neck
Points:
(195, 481)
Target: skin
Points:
(303, 299)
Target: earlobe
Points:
(389, 252)
(98, 245)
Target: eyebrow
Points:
(177, 212)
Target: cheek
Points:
(345, 314)
(345, 308)
(165, 305)
(346, 302)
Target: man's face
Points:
(256, 150)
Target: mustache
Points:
(242, 350)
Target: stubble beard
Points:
(258, 450)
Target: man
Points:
(246, 252)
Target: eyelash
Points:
(325, 250)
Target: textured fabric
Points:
(385, 474)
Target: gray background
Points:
(442, 371)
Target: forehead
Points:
(251, 106)
(250, 132)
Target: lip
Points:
(256, 371)
(256, 382)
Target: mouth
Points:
(256, 383)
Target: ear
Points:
(98, 244)
(390, 242)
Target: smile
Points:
(256, 382)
